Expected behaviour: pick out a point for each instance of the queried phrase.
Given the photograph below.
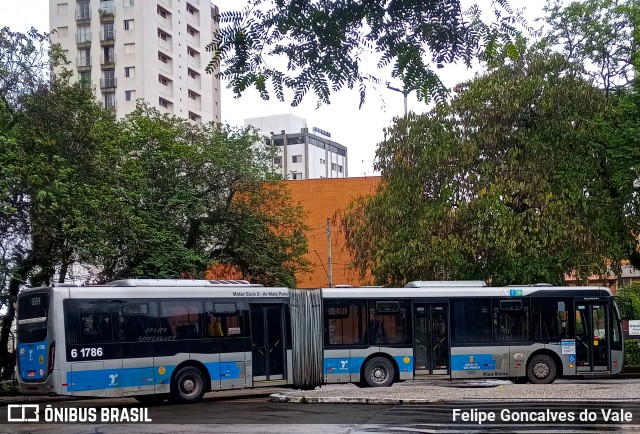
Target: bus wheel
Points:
(379, 372)
(150, 399)
(187, 386)
(541, 369)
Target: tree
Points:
(504, 183)
(323, 45)
(601, 39)
(629, 302)
(57, 179)
(600, 36)
(25, 62)
(192, 195)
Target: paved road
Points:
(257, 415)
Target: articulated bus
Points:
(178, 339)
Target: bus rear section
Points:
(36, 346)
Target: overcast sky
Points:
(358, 130)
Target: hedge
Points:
(631, 353)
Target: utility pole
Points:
(403, 92)
(329, 264)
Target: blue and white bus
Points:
(178, 339)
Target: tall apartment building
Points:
(303, 152)
(149, 49)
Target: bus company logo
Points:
(23, 413)
(22, 351)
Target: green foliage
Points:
(193, 195)
(631, 353)
(629, 303)
(513, 181)
(322, 46)
(599, 36)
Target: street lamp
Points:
(403, 93)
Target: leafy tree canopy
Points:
(323, 45)
(598, 36)
(194, 194)
(515, 180)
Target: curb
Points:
(276, 397)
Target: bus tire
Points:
(151, 399)
(541, 369)
(379, 372)
(187, 385)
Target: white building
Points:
(303, 152)
(149, 49)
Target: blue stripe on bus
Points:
(353, 365)
(136, 377)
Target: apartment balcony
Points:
(107, 37)
(83, 16)
(107, 14)
(83, 39)
(108, 60)
(83, 62)
(108, 83)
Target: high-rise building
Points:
(303, 152)
(141, 49)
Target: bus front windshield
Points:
(32, 317)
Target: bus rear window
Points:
(33, 308)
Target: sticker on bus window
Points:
(234, 330)
(568, 346)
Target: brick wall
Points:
(322, 199)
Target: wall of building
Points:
(158, 53)
(323, 199)
(317, 156)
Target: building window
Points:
(162, 58)
(323, 161)
(191, 52)
(128, 24)
(334, 166)
(110, 101)
(194, 117)
(163, 102)
(192, 73)
(63, 32)
(339, 168)
(62, 8)
(162, 12)
(107, 32)
(162, 35)
(83, 11)
(296, 159)
(163, 80)
(129, 71)
(191, 31)
(129, 95)
(191, 9)
(129, 48)
(193, 95)
(85, 78)
(277, 161)
(84, 34)
(296, 175)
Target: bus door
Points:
(431, 339)
(267, 342)
(592, 336)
